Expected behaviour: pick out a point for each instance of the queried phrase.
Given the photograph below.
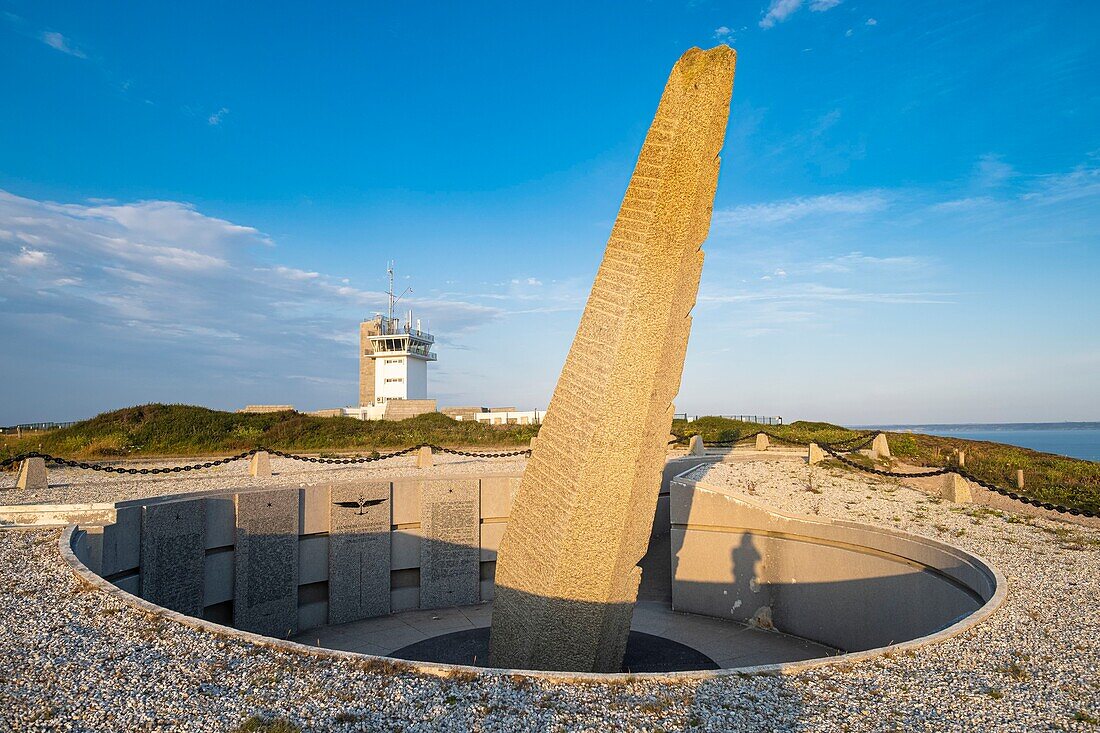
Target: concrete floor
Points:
(728, 643)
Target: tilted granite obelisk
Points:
(566, 574)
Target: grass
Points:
(184, 430)
(256, 724)
(1047, 477)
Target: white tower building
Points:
(393, 365)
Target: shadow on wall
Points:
(845, 585)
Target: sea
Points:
(1073, 439)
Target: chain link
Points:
(1073, 511)
(836, 450)
(248, 454)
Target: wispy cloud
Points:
(158, 278)
(863, 202)
(217, 117)
(58, 42)
(778, 11)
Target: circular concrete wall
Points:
(267, 565)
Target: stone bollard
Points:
(816, 454)
(534, 439)
(695, 446)
(1020, 478)
(962, 459)
(424, 458)
(879, 447)
(32, 475)
(259, 464)
(761, 441)
(955, 488)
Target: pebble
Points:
(76, 659)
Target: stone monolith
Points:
(567, 575)
(32, 475)
(762, 442)
(695, 446)
(259, 464)
(424, 458)
(880, 447)
(815, 454)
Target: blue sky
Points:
(197, 202)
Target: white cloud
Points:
(781, 212)
(872, 21)
(30, 257)
(723, 33)
(848, 33)
(779, 11)
(217, 117)
(992, 171)
(857, 260)
(60, 43)
(820, 6)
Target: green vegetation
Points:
(722, 429)
(184, 430)
(1047, 477)
(256, 724)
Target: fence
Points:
(756, 419)
(31, 427)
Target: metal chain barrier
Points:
(116, 469)
(1073, 511)
(248, 454)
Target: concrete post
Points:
(879, 447)
(1020, 478)
(32, 475)
(955, 488)
(695, 446)
(424, 458)
(962, 459)
(761, 442)
(259, 465)
(534, 439)
(816, 455)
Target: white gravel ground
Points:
(74, 659)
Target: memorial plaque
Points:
(359, 552)
(450, 550)
(266, 585)
(173, 551)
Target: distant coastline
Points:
(924, 426)
(1073, 439)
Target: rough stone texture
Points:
(956, 488)
(424, 457)
(359, 552)
(259, 464)
(32, 475)
(567, 575)
(367, 329)
(173, 553)
(880, 448)
(266, 564)
(762, 442)
(450, 546)
(404, 409)
(695, 446)
(815, 454)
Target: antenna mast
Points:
(394, 299)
